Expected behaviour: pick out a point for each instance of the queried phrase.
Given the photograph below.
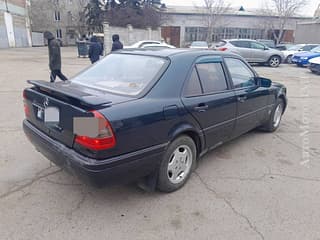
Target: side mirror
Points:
(263, 82)
(266, 48)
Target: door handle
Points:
(242, 99)
(202, 107)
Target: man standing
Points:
(116, 45)
(95, 50)
(54, 57)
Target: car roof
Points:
(170, 52)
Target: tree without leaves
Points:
(283, 10)
(79, 19)
(214, 9)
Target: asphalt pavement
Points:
(259, 186)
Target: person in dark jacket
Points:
(54, 57)
(116, 45)
(95, 50)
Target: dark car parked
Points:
(160, 111)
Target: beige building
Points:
(63, 18)
(14, 24)
(309, 31)
(186, 24)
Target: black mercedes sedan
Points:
(149, 114)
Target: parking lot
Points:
(259, 186)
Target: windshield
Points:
(316, 50)
(122, 73)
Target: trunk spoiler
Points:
(65, 90)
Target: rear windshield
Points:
(122, 73)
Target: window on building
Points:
(57, 16)
(196, 34)
(59, 33)
(69, 18)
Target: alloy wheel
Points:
(179, 164)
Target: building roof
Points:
(200, 10)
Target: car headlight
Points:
(304, 58)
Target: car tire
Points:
(274, 61)
(289, 59)
(275, 118)
(177, 164)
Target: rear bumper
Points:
(124, 168)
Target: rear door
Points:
(252, 100)
(209, 98)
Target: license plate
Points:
(51, 115)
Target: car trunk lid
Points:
(51, 107)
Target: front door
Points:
(252, 100)
(258, 53)
(210, 100)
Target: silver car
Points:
(253, 51)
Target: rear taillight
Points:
(223, 49)
(104, 141)
(25, 105)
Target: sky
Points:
(306, 11)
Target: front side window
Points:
(122, 73)
(255, 45)
(212, 77)
(241, 75)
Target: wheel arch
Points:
(275, 55)
(190, 131)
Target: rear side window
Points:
(241, 44)
(241, 75)
(193, 87)
(212, 77)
